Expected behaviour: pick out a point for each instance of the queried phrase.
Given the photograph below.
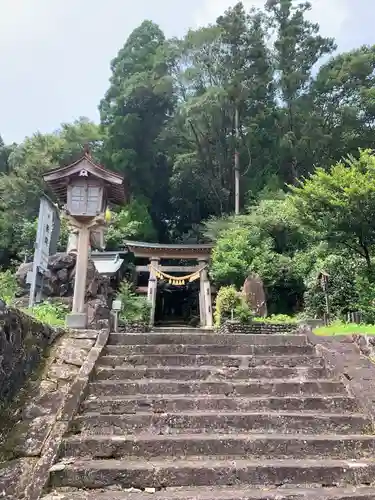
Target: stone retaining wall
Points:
(352, 358)
(23, 342)
(51, 402)
(134, 328)
(257, 328)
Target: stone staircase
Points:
(189, 414)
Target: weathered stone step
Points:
(223, 493)
(223, 422)
(225, 446)
(162, 404)
(213, 373)
(205, 339)
(291, 361)
(262, 387)
(211, 349)
(207, 472)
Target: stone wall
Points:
(257, 328)
(23, 342)
(36, 423)
(350, 357)
(366, 345)
(135, 327)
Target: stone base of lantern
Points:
(76, 320)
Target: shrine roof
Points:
(164, 250)
(59, 178)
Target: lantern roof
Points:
(85, 167)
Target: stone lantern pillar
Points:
(85, 188)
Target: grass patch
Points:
(52, 314)
(344, 329)
(277, 319)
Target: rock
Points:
(254, 294)
(74, 351)
(12, 477)
(21, 274)
(58, 284)
(31, 435)
(63, 275)
(61, 261)
(97, 311)
(66, 373)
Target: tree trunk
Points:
(237, 165)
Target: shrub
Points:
(49, 313)
(8, 286)
(227, 300)
(277, 319)
(342, 292)
(243, 313)
(135, 308)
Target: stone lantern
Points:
(85, 189)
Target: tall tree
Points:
(340, 204)
(246, 62)
(5, 152)
(227, 72)
(297, 49)
(134, 112)
(344, 100)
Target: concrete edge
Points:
(68, 409)
(344, 358)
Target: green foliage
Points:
(342, 328)
(264, 241)
(339, 204)
(227, 300)
(8, 286)
(342, 292)
(132, 222)
(235, 250)
(22, 184)
(49, 313)
(243, 313)
(364, 291)
(135, 308)
(134, 112)
(278, 319)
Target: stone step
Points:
(205, 339)
(208, 349)
(223, 423)
(225, 446)
(213, 373)
(183, 329)
(261, 387)
(281, 361)
(90, 474)
(161, 404)
(222, 493)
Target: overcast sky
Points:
(55, 54)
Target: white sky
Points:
(55, 54)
